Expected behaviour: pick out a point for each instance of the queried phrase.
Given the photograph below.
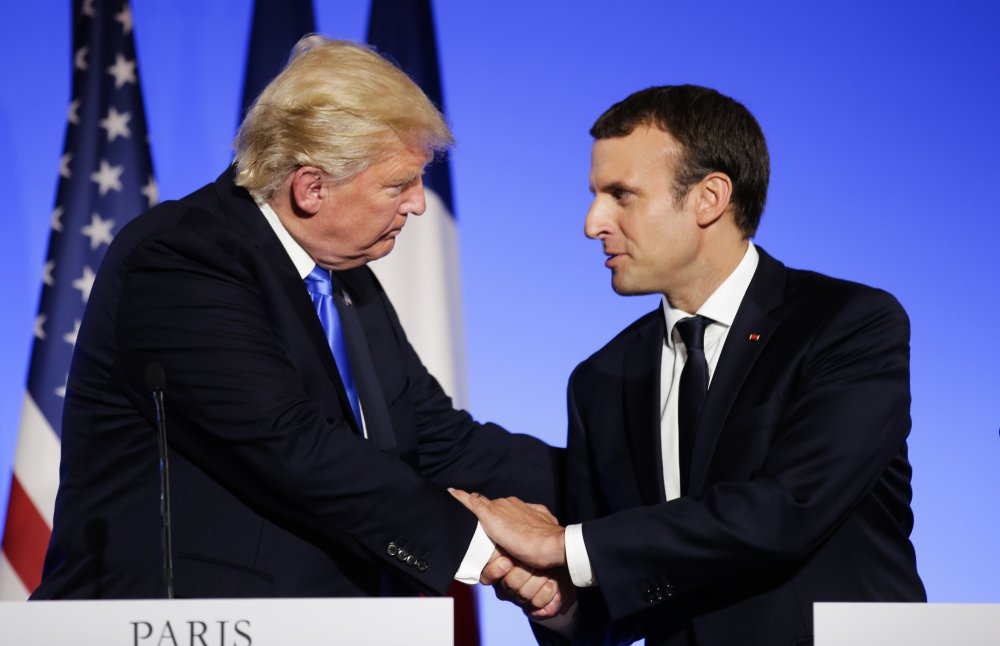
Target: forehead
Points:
(645, 152)
(402, 161)
(397, 166)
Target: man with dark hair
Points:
(739, 453)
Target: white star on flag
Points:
(64, 165)
(40, 326)
(57, 214)
(123, 70)
(116, 123)
(125, 18)
(71, 114)
(47, 273)
(70, 337)
(99, 231)
(85, 283)
(80, 58)
(88, 8)
(151, 191)
(108, 177)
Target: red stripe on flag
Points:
(466, 614)
(26, 537)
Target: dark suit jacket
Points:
(275, 492)
(799, 487)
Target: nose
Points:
(415, 202)
(597, 224)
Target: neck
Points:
(714, 265)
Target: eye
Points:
(621, 196)
(397, 188)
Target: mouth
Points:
(395, 231)
(613, 259)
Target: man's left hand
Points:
(529, 533)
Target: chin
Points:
(388, 246)
(625, 288)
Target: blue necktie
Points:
(321, 290)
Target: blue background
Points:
(882, 120)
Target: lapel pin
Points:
(755, 337)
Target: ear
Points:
(713, 197)
(308, 188)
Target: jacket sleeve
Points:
(453, 450)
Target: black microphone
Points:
(156, 382)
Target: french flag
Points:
(421, 275)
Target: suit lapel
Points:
(751, 331)
(373, 406)
(641, 397)
(243, 213)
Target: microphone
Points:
(156, 383)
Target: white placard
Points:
(913, 624)
(228, 622)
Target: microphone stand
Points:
(154, 374)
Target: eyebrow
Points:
(403, 181)
(614, 187)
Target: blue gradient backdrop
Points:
(882, 118)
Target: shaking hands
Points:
(528, 566)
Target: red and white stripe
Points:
(31, 504)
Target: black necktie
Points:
(694, 385)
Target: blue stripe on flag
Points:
(277, 26)
(403, 31)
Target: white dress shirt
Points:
(721, 308)
(481, 548)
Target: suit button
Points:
(402, 554)
(392, 549)
(422, 565)
(411, 559)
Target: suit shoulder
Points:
(837, 313)
(646, 327)
(825, 293)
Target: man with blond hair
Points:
(310, 450)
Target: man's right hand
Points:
(541, 594)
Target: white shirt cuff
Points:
(477, 557)
(577, 560)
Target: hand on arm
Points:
(528, 566)
(529, 533)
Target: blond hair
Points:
(338, 106)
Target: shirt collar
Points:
(303, 262)
(721, 306)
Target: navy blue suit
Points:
(799, 486)
(275, 491)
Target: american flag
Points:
(105, 179)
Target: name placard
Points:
(913, 624)
(228, 622)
